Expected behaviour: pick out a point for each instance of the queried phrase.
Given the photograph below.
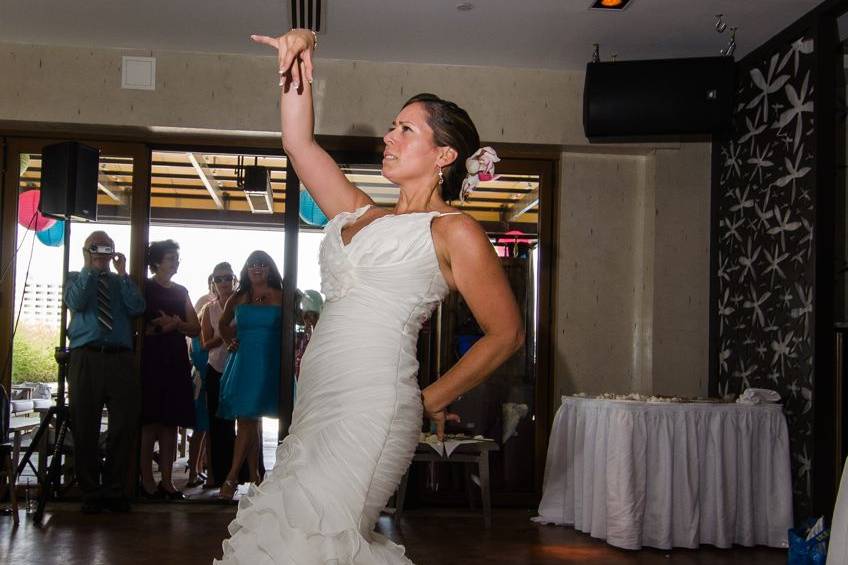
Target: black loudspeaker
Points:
(659, 97)
(69, 173)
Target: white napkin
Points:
(446, 448)
(758, 396)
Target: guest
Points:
(197, 452)
(311, 303)
(250, 385)
(101, 371)
(206, 298)
(222, 432)
(167, 396)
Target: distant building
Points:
(42, 303)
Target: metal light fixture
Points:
(255, 182)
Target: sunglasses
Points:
(257, 266)
(224, 278)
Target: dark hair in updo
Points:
(452, 127)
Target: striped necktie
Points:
(104, 303)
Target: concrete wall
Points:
(632, 264)
(633, 273)
(236, 92)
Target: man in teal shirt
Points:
(101, 371)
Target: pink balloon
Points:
(28, 214)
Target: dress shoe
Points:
(169, 495)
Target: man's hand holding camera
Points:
(119, 261)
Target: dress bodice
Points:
(390, 265)
(258, 322)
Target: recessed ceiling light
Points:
(465, 6)
(610, 5)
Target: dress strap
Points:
(440, 214)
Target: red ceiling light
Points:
(610, 4)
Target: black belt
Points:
(104, 348)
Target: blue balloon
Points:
(310, 212)
(54, 236)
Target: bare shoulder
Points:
(234, 300)
(459, 238)
(453, 229)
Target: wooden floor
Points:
(191, 533)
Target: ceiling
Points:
(552, 34)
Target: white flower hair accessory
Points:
(480, 167)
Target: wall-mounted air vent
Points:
(307, 14)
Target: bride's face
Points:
(410, 152)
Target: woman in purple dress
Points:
(167, 394)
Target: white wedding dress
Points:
(358, 413)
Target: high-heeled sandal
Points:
(195, 482)
(228, 490)
(170, 495)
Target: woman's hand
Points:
(166, 322)
(296, 45)
(440, 418)
(233, 345)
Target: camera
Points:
(101, 249)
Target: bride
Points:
(358, 413)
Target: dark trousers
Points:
(222, 433)
(96, 379)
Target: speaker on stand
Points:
(69, 174)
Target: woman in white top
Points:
(221, 435)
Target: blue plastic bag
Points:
(807, 552)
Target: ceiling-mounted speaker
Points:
(307, 14)
(629, 99)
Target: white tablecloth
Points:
(837, 552)
(669, 474)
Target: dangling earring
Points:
(441, 177)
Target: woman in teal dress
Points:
(250, 385)
(197, 444)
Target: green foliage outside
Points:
(32, 358)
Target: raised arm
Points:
(314, 166)
(227, 332)
(477, 274)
